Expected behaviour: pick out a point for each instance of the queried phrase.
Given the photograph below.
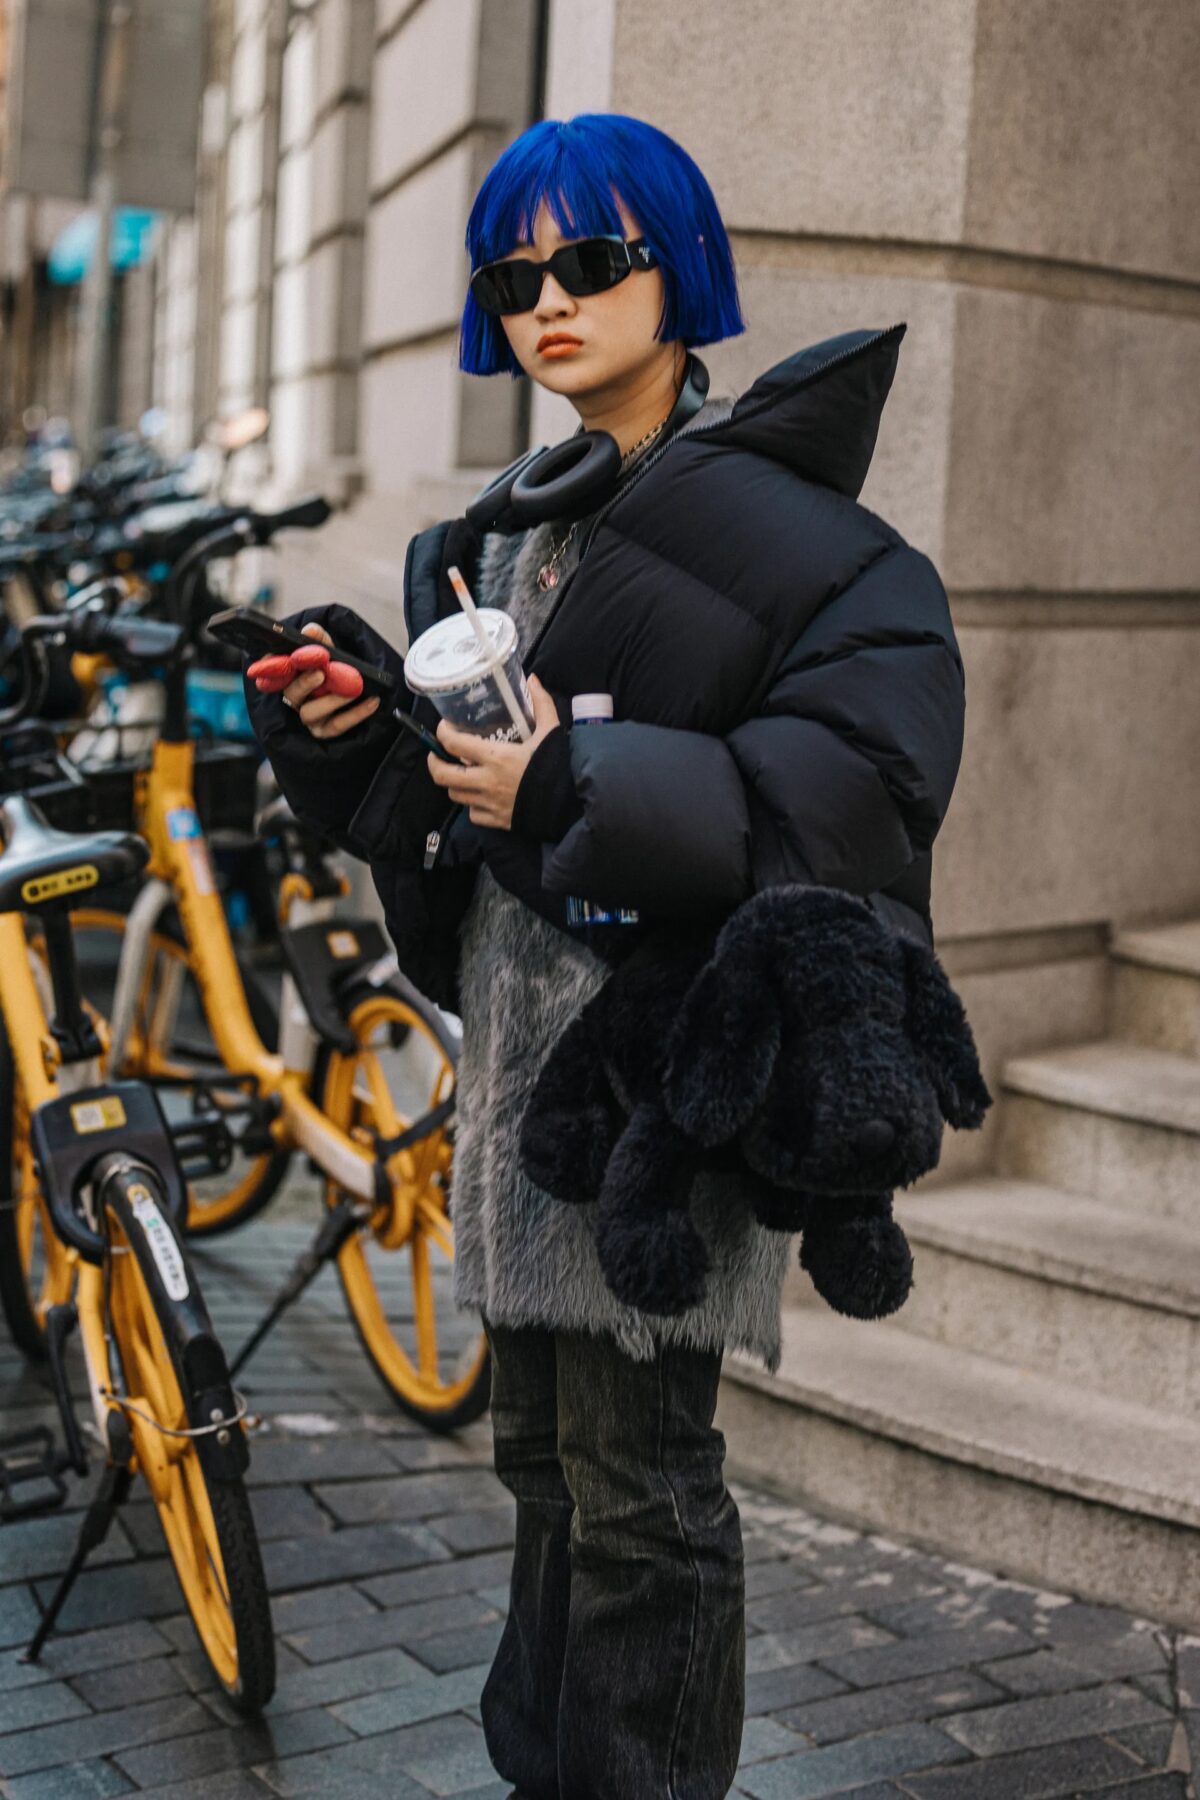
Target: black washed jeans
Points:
(621, 1671)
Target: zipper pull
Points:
(435, 841)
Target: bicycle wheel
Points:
(34, 1271)
(207, 1523)
(170, 1039)
(443, 1379)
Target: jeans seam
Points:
(687, 1673)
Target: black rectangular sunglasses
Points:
(587, 267)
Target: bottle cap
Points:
(591, 706)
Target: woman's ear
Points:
(721, 1052)
(941, 1035)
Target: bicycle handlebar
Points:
(305, 515)
(130, 640)
(34, 665)
(186, 580)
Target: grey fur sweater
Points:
(522, 1257)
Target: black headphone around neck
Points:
(575, 477)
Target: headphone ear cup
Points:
(573, 478)
(568, 481)
(491, 510)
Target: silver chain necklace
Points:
(547, 575)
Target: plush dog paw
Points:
(566, 1153)
(860, 1266)
(656, 1263)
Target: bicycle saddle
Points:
(39, 864)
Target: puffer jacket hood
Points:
(817, 412)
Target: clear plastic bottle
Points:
(595, 709)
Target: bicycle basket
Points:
(225, 780)
(32, 764)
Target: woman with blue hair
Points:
(788, 707)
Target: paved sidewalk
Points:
(872, 1669)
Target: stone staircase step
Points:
(1155, 995)
(1097, 1296)
(1012, 1470)
(1175, 947)
(1117, 1121)
(1126, 1081)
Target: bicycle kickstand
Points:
(339, 1223)
(112, 1491)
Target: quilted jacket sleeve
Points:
(842, 777)
(325, 781)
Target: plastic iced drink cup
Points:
(447, 664)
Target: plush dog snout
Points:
(876, 1137)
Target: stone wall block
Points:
(838, 116)
(339, 158)
(429, 210)
(1074, 460)
(1085, 133)
(423, 86)
(345, 41)
(1076, 798)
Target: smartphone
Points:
(258, 634)
(427, 738)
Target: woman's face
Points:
(613, 332)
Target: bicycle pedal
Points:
(203, 1145)
(28, 1457)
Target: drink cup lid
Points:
(448, 656)
(591, 706)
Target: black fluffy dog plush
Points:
(806, 1043)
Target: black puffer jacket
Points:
(788, 691)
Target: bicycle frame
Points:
(44, 1077)
(180, 870)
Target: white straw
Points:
(489, 650)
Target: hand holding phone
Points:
(272, 674)
(326, 696)
(273, 644)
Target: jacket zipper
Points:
(436, 839)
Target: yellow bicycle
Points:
(94, 1200)
(362, 1079)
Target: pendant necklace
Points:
(547, 575)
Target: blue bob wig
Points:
(577, 166)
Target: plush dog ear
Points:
(651, 1254)
(571, 1121)
(722, 1051)
(937, 1024)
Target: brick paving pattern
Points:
(873, 1669)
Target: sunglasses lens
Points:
(592, 265)
(506, 287)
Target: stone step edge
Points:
(918, 1217)
(936, 1440)
(1165, 947)
(1041, 1077)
